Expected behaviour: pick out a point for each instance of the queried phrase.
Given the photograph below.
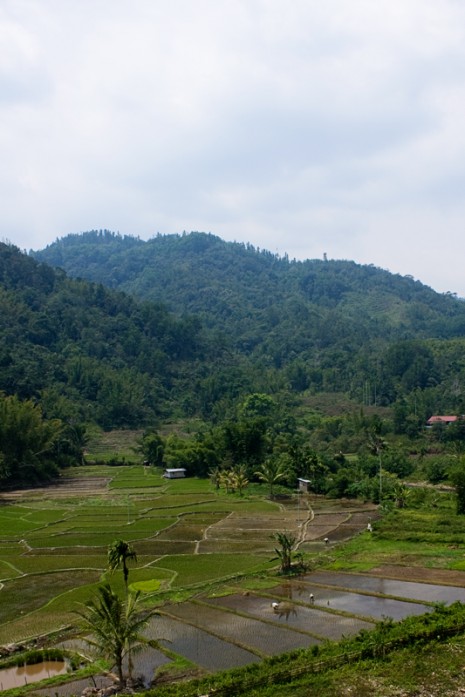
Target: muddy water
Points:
(24, 675)
(322, 625)
(366, 606)
(73, 688)
(197, 645)
(425, 592)
(262, 630)
(248, 631)
(145, 663)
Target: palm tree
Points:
(240, 478)
(215, 477)
(114, 626)
(286, 544)
(227, 480)
(119, 553)
(270, 472)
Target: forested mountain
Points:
(89, 353)
(239, 338)
(317, 325)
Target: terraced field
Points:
(53, 541)
(203, 556)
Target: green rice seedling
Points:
(12, 527)
(22, 595)
(33, 564)
(183, 532)
(84, 540)
(206, 567)
(46, 516)
(13, 511)
(9, 569)
(52, 529)
(189, 485)
(8, 549)
(149, 526)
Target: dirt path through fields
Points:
(303, 528)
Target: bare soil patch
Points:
(420, 574)
(62, 488)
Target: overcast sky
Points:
(304, 127)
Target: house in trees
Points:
(304, 485)
(441, 420)
(176, 473)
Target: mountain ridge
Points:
(315, 325)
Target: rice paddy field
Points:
(207, 560)
(54, 541)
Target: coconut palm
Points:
(114, 626)
(228, 480)
(119, 553)
(240, 478)
(215, 477)
(271, 472)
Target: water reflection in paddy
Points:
(198, 646)
(304, 619)
(350, 601)
(250, 632)
(261, 629)
(426, 592)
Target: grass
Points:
(208, 567)
(34, 564)
(429, 537)
(27, 593)
(434, 670)
(257, 584)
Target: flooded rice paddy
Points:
(425, 592)
(292, 618)
(257, 636)
(197, 645)
(218, 633)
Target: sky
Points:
(306, 128)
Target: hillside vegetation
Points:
(312, 326)
(87, 352)
(284, 369)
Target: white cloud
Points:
(303, 128)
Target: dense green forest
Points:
(284, 365)
(312, 326)
(88, 352)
